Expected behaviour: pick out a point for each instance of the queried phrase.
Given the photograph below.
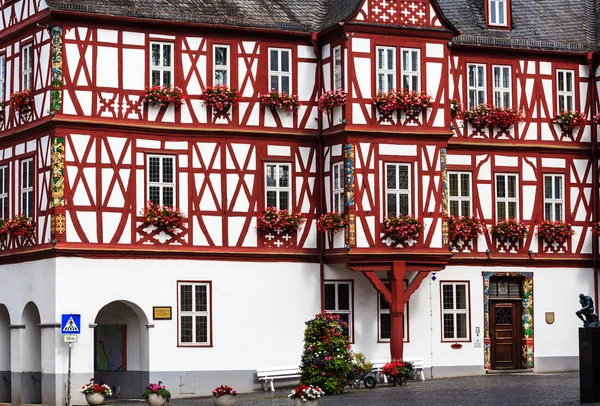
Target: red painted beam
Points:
(379, 286)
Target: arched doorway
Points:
(31, 355)
(121, 348)
(4, 354)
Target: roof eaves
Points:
(520, 43)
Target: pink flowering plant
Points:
(510, 230)
(157, 389)
(275, 99)
(20, 101)
(224, 390)
(455, 107)
(386, 102)
(570, 118)
(479, 117)
(164, 218)
(220, 98)
(331, 222)
(402, 228)
(272, 218)
(464, 228)
(163, 96)
(555, 231)
(330, 99)
(504, 118)
(409, 101)
(19, 226)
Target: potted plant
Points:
(220, 98)
(330, 99)
(306, 395)
(360, 366)
(20, 226)
(272, 219)
(95, 392)
(398, 371)
(164, 218)
(510, 230)
(274, 99)
(224, 396)
(414, 103)
(568, 120)
(386, 102)
(505, 118)
(21, 101)
(402, 228)
(479, 117)
(464, 228)
(331, 222)
(163, 96)
(156, 394)
(555, 231)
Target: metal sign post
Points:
(70, 328)
(69, 377)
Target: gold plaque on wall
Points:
(161, 313)
(549, 317)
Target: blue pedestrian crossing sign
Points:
(70, 324)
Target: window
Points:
(337, 67)
(194, 313)
(337, 171)
(410, 69)
(279, 189)
(385, 320)
(503, 287)
(4, 191)
(553, 197)
(455, 311)
(221, 65)
(161, 180)
(565, 90)
(498, 12)
(2, 77)
(27, 187)
(397, 189)
(279, 61)
(161, 70)
(459, 193)
(506, 197)
(502, 86)
(476, 85)
(386, 68)
(27, 67)
(338, 300)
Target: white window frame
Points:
(337, 303)
(337, 67)
(27, 185)
(460, 197)
(500, 72)
(381, 311)
(407, 72)
(476, 88)
(279, 74)
(398, 192)
(498, 12)
(222, 68)
(2, 77)
(27, 67)
(553, 201)
(277, 188)
(565, 97)
(161, 68)
(383, 69)
(195, 313)
(161, 184)
(454, 311)
(4, 186)
(337, 183)
(506, 199)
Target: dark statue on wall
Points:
(586, 313)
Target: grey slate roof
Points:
(566, 25)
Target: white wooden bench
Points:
(268, 375)
(418, 368)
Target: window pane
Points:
(155, 54)
(391, 204)
(558, 187)
(465, 207)
(285, 84)
(275, 82)
(201, 298)
(500, 186)
(548, 187)
(447, 297)
(461, 325)
(506, 99)
(390, 59)
(343, 296)
(501, 206)
(155, 78)
(471, 75)
(415, 83)
(480, 76)
(154, 194)
(506, 77)
(512, 186)
(186, 329)
(561, 81)
(271, 198)
(201, 329)
(185, 298)
(415, 61)
(271, 175)
(558, 211)
(220, 77)
(167, 170)
(493, 19)
(454, 208)
(345, 318)
(461, 297)
(284, 176)
(221, 56)
(512, 209)
(448, 325)
(285, 61)
(383, 305)
(403, 208)
(548, 211)
(154, 169)
(380, 58)
(569, 81)
(391, 176)
(453, 184)
(274, 60)
(496, 76)
(403, 177)
(284, 200)
(569, 103)
(166, 78)
(405, 60)
(465, 183)
(168, 196)
(385, 326)
(167, 55)
(330, 296)
(390, 82)
(501, 12)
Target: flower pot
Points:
(94, 398)
(156, 400)
(300, 402)
(224, 400)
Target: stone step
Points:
(509, 371)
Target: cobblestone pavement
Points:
(483, 390)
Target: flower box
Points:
(498, 117)
(164, 218)
(21, 101)
(568, 120)
(330, 99)
(555, 232)
(220, 98)
(510, 230)
(20, 226)
(409, 101)
(272, 219)
(402, 228)
(276, 100)
(163, 96)
(331, 222)
(455, 108)
(464, 228)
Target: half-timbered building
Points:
(82, 152)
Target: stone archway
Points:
(31, 355)
(121, 348)
(4, 354)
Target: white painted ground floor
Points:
(230, 318)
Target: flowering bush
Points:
(571, 118)
(306, 393)
(282, 100)
(402, 228)
(330, 99)
(162, 217)
(455, 107)
(331, 222)
(20, 225)
(158, 389)
(92, 387)
(510, 230)
(398, 370)
(224, 390)
(409, 101)
(163, 96)
(272, 218)
(464, 228)
(220, 98)
(326, 360)
(499, 117)
(555, 231)
(20, 101)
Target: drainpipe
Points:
(320, 186)
(592, 76)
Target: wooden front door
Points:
(505, 334)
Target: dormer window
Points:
(498, 12)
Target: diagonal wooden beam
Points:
(414, 284)
(379, 286)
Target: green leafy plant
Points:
(398, 370)
(157, 389)
(510, 230)
(162, 217)
(464, 228)
(360, 363)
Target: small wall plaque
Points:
(161, 313)
(550, 317)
